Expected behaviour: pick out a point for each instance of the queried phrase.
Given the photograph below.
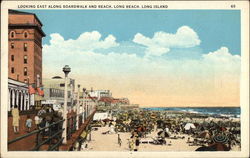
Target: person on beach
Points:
(137, 143)
(119, 140)
(130, 144)
(28, 123)
(16, 118)
(155, 127)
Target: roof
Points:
(106, 99)
(21, 13)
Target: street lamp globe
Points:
(66, 70)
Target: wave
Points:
(216, 111)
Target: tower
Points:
(25, 47)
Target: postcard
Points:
(124, 79)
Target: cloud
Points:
(162, 42)
(221, 56)
(222, 61)
(87, 41)
(125, 72)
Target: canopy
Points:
(100, 116)
(188, 126)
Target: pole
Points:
(65, 110)
(78, 108)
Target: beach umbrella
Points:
(187, 119)
(196, 124)
(189, 126)
(163, 134)
(208, 119)
(220, 138)
(205, 134)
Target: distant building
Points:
(99, 93)
(110, 101)
(25, 47)
(54, 91)
(105, 101)
(87, 103)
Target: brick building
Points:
(25, 47)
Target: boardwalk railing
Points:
(51, 135)
(72, 124)
(45, 135)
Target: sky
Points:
(153, 57)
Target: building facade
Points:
(99, 93)
(18, 95)
(87, 104)
(54, 91)
(25, 47)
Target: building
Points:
(99, 93)
(25, 55)
(54, 91)
(25, 87)
(87, 103)
(25, 47)
(18, 95)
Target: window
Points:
(12, 34)
(12, 70)
(12, 58)
(25, 81)
(25, 73)
(12, 45)
(25, 34)
(25, 59)
(25, 47)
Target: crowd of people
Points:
(43, 118)
(201, 131)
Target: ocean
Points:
(213, 111)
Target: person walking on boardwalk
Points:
(16, 118)
(119, 140)
(28, 123)
(37, 121)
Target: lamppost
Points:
(78, 107)
(66, 71)
(84, 104)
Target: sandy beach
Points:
(109, 142)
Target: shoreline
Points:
(198, 113)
